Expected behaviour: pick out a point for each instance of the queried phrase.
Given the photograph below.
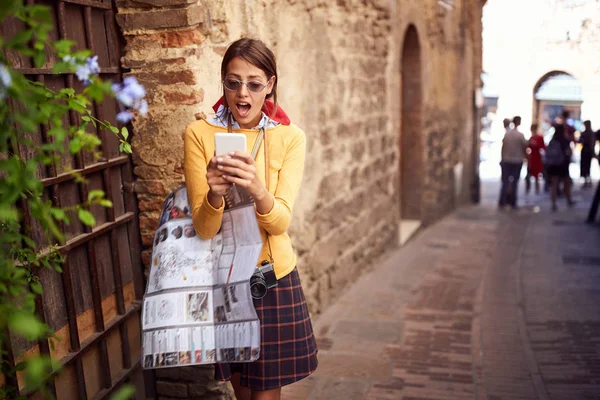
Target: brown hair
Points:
(256, 53)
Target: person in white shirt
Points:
(514, 150)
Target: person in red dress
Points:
(535, 166)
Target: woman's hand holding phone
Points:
(216, 182)
(239, 168)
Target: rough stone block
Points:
(152, 79)
(149, 221)
(147, 238)
(160, 19)
(148, 172)
(153, 3)
(181, 38)
(172, 389)
(150, 187)
(200, 374)
(194, 97)
(151, 203)
(146, 257)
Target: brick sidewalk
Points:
(482, 305)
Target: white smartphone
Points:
(226, 143)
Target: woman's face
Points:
(246, 104)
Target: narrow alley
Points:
(485, 304)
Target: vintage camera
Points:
(262, 279)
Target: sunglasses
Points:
(235, 84)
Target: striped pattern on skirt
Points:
(288, 351)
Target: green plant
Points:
(24, 107)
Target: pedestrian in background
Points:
(535, 166)
(588, 142)
(558, 158)
(514, 151)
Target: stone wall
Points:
(340, 80)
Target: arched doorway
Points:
(554, 92)
(411, 151)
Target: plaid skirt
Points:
(288, 351)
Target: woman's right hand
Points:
(218, 185)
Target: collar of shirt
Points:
(221, 116)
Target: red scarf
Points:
(280, 115)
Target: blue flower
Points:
(92, 64)
(124, 117)
(144, 108)
(130, 95)
(5, 80)
(84, 71)
(83, 74)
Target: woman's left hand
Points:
(239, 168)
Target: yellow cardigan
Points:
(287, 147)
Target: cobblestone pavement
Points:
(485, 304)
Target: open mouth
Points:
(243, 109)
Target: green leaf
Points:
(75, 105)
(86, 118)
(20, 39)
(113, 129)
(95, 194)
(37, 371)
(29, 242)
(63, 46)
(61, 67)
(86, 217)
(36, 287)
(67, 92)
(106, 203)
(26, 122)
(124, 132)
(8, 7)
(75, 145)
(39, 12)
(39, 59)
(95, 91)
(27, 325)
(18, 273)
(126, 148)
(8, 213)
(58, 133)
(125, 393)
(59, 214)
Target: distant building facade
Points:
(542, 57)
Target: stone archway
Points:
(553, 92)
(411, 149)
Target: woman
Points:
(588, 141)
(249, 78)
(534, 164)
(558, 158)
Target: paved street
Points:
(483, 305)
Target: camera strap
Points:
(262, 136)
